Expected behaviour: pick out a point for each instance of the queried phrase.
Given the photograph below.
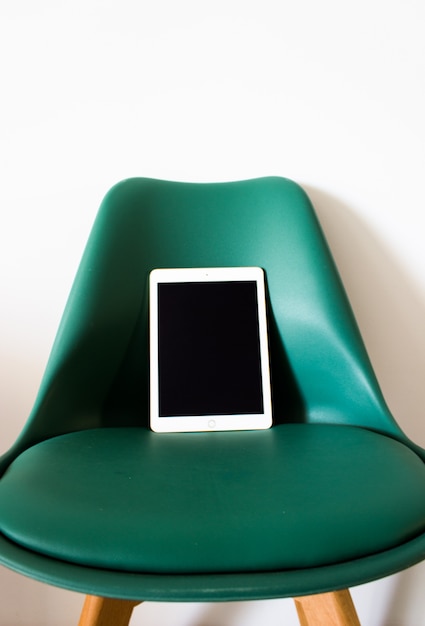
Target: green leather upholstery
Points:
(331, 496)
(228, 499)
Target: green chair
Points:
(332, 496)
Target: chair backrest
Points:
(97, 374)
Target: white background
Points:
(329, 93)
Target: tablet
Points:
(209, 362)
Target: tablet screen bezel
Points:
(209, 422)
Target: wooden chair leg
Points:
(327, 609)
(106, 612)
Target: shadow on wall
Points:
(26, 601)
(406, 605)
(389, 308)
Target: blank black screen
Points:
(209, 349)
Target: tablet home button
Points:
(211, 424)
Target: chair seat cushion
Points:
(294, 496)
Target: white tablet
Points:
(209, 362)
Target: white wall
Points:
(328, 93)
